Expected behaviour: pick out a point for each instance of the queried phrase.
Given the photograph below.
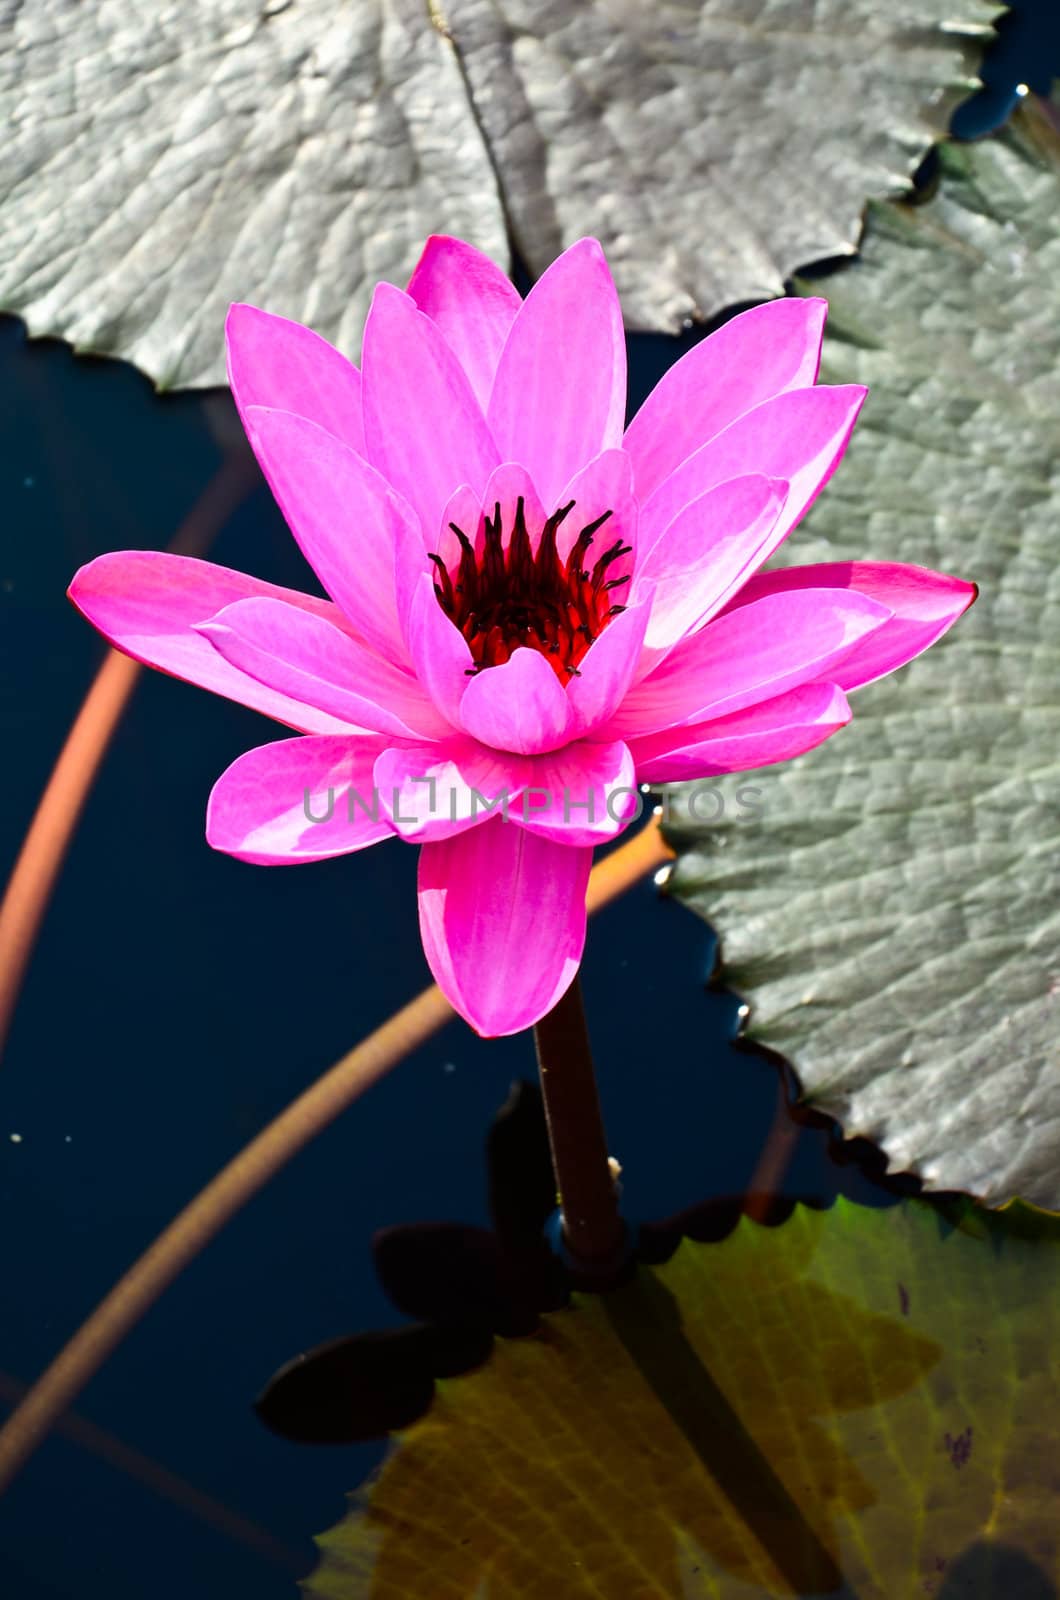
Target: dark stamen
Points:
(506, 596)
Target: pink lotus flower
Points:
(525, 599)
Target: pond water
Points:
(177, 1000)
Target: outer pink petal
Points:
(429, 791)
(748, 655)
(444, 665)
(704, 555)
(146, 602)
(424, 428)
(471, 301)
(606, 670)
(560, 392)
(309, 659)
(925, 604)
(583, 794)
(347, 520)
(520, 707)
(798, 436)
(502, 915)
(260, 809)
(276, 363)
(774, 730)
(757, 355)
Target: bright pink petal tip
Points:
(147, 604)
(297, 800)
(471, 302)
(424, 428)
(755, 356)
(277, 363)
(502, 917)
(752, 653)
(774, 730)
(559, 396)
(924, 605)
(799, 436)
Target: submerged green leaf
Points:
(857, 1403)
(893, 915)
(162, 161)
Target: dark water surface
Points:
(178, 1000)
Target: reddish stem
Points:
(593, 1230)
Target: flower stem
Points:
(593, 1230)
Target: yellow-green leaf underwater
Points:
(858, 1403)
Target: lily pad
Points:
(163, 161)
(859, 1402)
(892, 915)
(714, 146)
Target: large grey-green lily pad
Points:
(163, 159)
(893, 918)
(166, 157)
(713, 145)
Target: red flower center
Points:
(505, 599)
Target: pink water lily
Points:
(527, 600)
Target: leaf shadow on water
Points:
(692, 1424)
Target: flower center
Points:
(504, 599)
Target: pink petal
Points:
(261, 808)
(606, 670)
(704, 555)
(146, 602)
(583, 794)
(465, 510)
(520, 707)
(444, 665)
(603, 485)
(799, 436)
(560, 392)
(347, 520)
(309, 659)
(749, 654)
(424, 428)
(502, 916)
(429, 791)
(276, 363)
(757, 355)
(507, 485)
(925, 604)
(472, 303)
(773, 730)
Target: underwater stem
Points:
(592, 1227)
(44, 850)
(260, 1160)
